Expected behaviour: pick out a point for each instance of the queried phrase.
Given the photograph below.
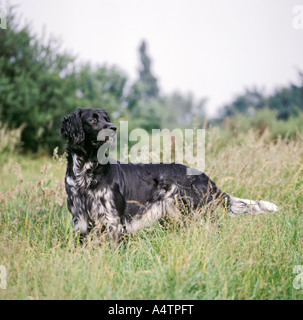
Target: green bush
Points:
(265, 120)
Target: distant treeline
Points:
(39, 85)
(285, 102)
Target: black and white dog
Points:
(120, 197)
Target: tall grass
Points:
(10, 139)
(250, 257)
(265, 120)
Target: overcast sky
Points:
(212, 48)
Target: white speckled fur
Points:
(240, 206)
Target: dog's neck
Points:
(81, 165)
(83, 153)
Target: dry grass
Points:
(251, 257)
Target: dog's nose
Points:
(111, 127)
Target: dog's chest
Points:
(85, 199)
(83, 173)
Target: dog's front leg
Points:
(114, 229)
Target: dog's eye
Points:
(93, 121)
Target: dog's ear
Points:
(71, 128)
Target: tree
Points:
(35, 83)
(146, 87)
(182, 110)
(147, 79)
(286, 101)
(101, 87)
(250, 101)
(39, 85)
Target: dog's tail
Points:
(239, 206)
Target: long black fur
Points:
(121, 197)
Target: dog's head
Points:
(84, 127)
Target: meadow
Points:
(249, 257)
